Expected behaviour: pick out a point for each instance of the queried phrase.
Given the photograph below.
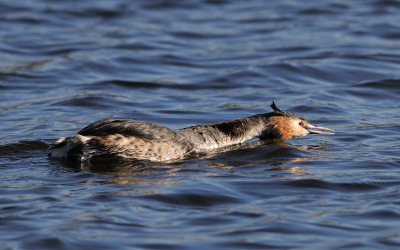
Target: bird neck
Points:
(227, 133)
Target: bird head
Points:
(287, 125)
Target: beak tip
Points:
(320, 132)
(313, 129)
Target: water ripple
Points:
(180, 63)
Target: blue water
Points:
(66, 64)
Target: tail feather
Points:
(67, 147)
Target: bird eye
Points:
(301, 123)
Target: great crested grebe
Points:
(148, 141)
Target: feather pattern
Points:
(148, 141)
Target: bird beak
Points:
(314, 129)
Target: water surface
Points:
(66, 64)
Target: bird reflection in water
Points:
(268, 155)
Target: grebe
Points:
(148, 141)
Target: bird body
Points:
(148, 141)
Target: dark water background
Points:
(65, 64)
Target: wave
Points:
(22, 147)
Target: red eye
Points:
(301, 123)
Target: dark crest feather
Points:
(275, 108)
(277, 111)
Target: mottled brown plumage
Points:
(148, 141)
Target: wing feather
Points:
(129, 127)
